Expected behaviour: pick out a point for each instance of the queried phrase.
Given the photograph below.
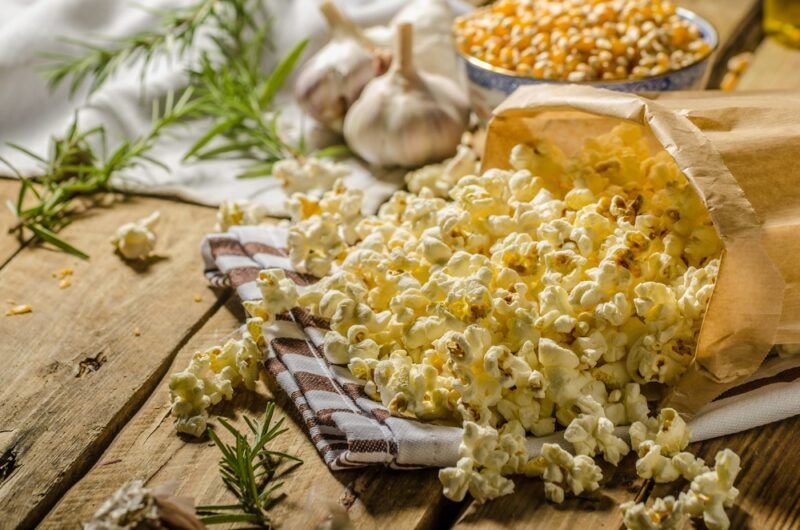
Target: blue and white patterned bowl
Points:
(489, 85)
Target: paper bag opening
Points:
(743, 314)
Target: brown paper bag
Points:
(741, 153)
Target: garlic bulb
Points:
(332, 80)
(406, 118)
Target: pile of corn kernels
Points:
(582, 40)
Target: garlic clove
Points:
(405, 117)
(332, 80)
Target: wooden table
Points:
(83, 383)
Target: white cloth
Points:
(30, 114)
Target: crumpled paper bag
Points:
(740, 153)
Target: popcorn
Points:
(136, 240)
(539, 296)
(483, 454)
(213, 375)
(278, 295)
(560, 470)
(440, 178)
(240, 212)
(665, 514)
(713, 491)
(308, 174)
(131, 506)
(669, 431)
(591, 432)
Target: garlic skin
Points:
(332, 80)
(406, 118)
(434, 51)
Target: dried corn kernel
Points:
(575, 40)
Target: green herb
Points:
(250, 471)
(179, 27)
(74, 172)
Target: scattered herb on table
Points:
(74, 169)
(250, 470)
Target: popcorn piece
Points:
(655, 465)
(591, 432)
(440, 178)
(136, 240)
(669, 431)
(213, 375)
(240, 212)
(713, 491)
(483, 455)
(19, 310)
(309, 174)
(561, 471)
(314, 244)
(278, 295)
(665, 514)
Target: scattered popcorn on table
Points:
(65, 283)
(213, 375)
(136, 240)
(561, 472)
(665, 514)
(713, 491)
(516, 302)
(19, 310)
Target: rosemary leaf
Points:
(249, 470)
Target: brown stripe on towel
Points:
(291, 346)
(301, 278)
(254, 247)
(225, 246)
(309, 382)
(370, 446)
(242, 275)
(307, 320)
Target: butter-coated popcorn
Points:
(213, 375)
(441, 177)
(592, 432)
(563, 472)
(308, 174)
(136, 240)
(278, 295)
(539, 296)
(665, 513)
(240, 212)
(713, 491)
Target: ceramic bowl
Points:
(489, 85)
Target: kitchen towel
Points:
(349, 429)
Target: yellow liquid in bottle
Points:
(782, 20)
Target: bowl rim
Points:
(688, 14)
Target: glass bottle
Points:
(782, 20)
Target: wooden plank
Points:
(74, 370)
(769, 476)
(149, 448)
(774, 67)
(9, 244)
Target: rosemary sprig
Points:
(238, 96)
(100, 60)
(249, 469)
(75, 171)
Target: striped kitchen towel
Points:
(351, 430)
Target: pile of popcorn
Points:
(576, 40)
(536, 297)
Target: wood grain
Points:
(774, 67)
(74, 370)
(149, 448)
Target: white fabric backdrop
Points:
(30, 114)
